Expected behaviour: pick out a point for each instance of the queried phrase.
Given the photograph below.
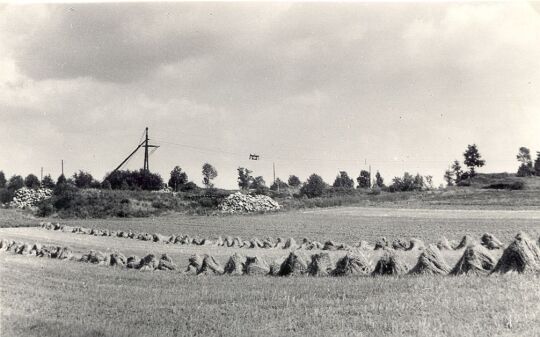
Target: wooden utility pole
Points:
(62, 166)
(146, 146)
(274, 169)
(41, 174)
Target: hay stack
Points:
(400, 244)
(416, 244)
(235, 265)
(133, 262)
(95, 257)
(280, 242)
(256, 266)
(46, 251)
(475, 260)
(290, 244)
(156, 237)
(118, 259)
(66, 253)
(321, 265)
(293, 265)
(24, 249)
(14, 246)
(444, 244)
(364, 245)
(4, 244)
(148, 263)
(219, 241)
(317, 245)
(381, 243)
(166, 263)
(268, 243)
(35, 249)
(330, 245)
(256, 243)
(466, 241)
(229, 241)
(275, 267)
(522, 256)
(431, 261)
(210, 266)
(390, 264)
(352, 264)
(195, 264)
(491, 242)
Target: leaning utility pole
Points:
(146, 146)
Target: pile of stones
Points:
(28, 197)
(243, 203)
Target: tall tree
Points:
(458, 172)
(537, 164)
(209, 173)
(524, 157)
(15, 182)
(177, 179)
(83, 179)
(343, 180)
(449, 177)
(48, 182)
(314, 186)
(31, 181)
(294, 181)
(379, 181)
(363, 179)
(279, 185)
(244, 178)
(2, 179)
(473, 159)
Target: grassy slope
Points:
(55, 298)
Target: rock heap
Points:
(243, 203)
(27, 197)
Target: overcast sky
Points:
(312, 87)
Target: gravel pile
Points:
(243, 203)
(27, 197)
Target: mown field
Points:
(47, 297)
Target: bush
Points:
(6, 195)
(515, 185)
(314, 187)
(135, 180)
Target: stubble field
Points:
(47, 297)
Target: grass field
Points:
(46, 297)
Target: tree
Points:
(2, 179)
(363, 179)
(537, 164)
(259, 185)
(83, 179)
(244, 178)
(31, 181)
(209, 173)
(449, 177)
(15, 182)
(379, 181)
(458, 172)
(61, 180)
(524, 157)
(294, 181)
(140, 179)
(48, 182)
(473, 159)
(314, 186)
(177, 179)
(343, 180)
(279, 185)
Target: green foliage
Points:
(15, 182)
(294, 181)
(343, 180)
(363, 179)
(473, 159)
(209, 173)
(177, 179)
(244, 178)
(314, 187)
(3, 180)
(48, 182)
(83, 179)
(31, 181)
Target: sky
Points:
(311, 88)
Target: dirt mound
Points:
(166, 263)
(118, 259)
(290, 244)
(444, 244)
(431, 261)
(194, 264)
(293, 265)
(381, 243)
(491, 242)
(95, 257)
(243, 203)
(256, 266)
(475, 260)
(321, 265)
(133, 262)
(148, 263)
(210, 266)
(416, 244)
(522, 256)
(390, 264)
(235, 265)
(400, 244)
(352, 264)
(466, 241)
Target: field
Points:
(47, 297)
